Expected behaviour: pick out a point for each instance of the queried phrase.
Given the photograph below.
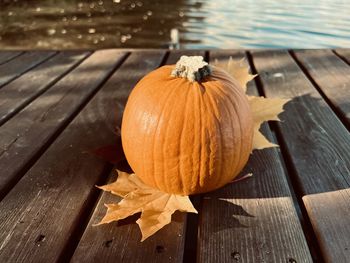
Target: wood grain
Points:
(45, 210)
(318, 146)
(332, 76)
(29, 133)
(329, 215)
(121, 242)
(6, 56)
(18, 93)
(253, 220)
(16, 67)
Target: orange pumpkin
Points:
(187, 128)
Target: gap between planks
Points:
(30, 85)
(316, 141)
(15, 159)
(330, 75)
(22, 64)
(6, 56)
(290, 176)
(45, 188)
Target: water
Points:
(70, 24)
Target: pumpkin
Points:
(187, 128)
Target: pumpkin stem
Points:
(193, 68)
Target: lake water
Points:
(73, 24)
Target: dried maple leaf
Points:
(156, 207)
(237, 69)
(263, 109)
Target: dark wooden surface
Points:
(56, 106)
(26, 61)
(317, 146)
(8, 55)
(17, 94)
(331, 75)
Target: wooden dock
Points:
(57, 106)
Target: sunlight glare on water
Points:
(148, 24)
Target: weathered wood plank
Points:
(8, 55)
(49, 201)
(113, 243)
(329, 215)
(16, 67)
(18, 93)
(344, 53)
(25, 136)
(318, 146)
(254, 220)
(332, 76)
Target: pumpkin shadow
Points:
(229, 218)
(114, 155)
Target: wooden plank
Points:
(44, 214)
(6, 56)
(329, 215)
(254, 220)
(318, 146)
(344, 53)
(46, 116)
(113, 243)
(16, 67)
(18, 93)
(332, 76)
